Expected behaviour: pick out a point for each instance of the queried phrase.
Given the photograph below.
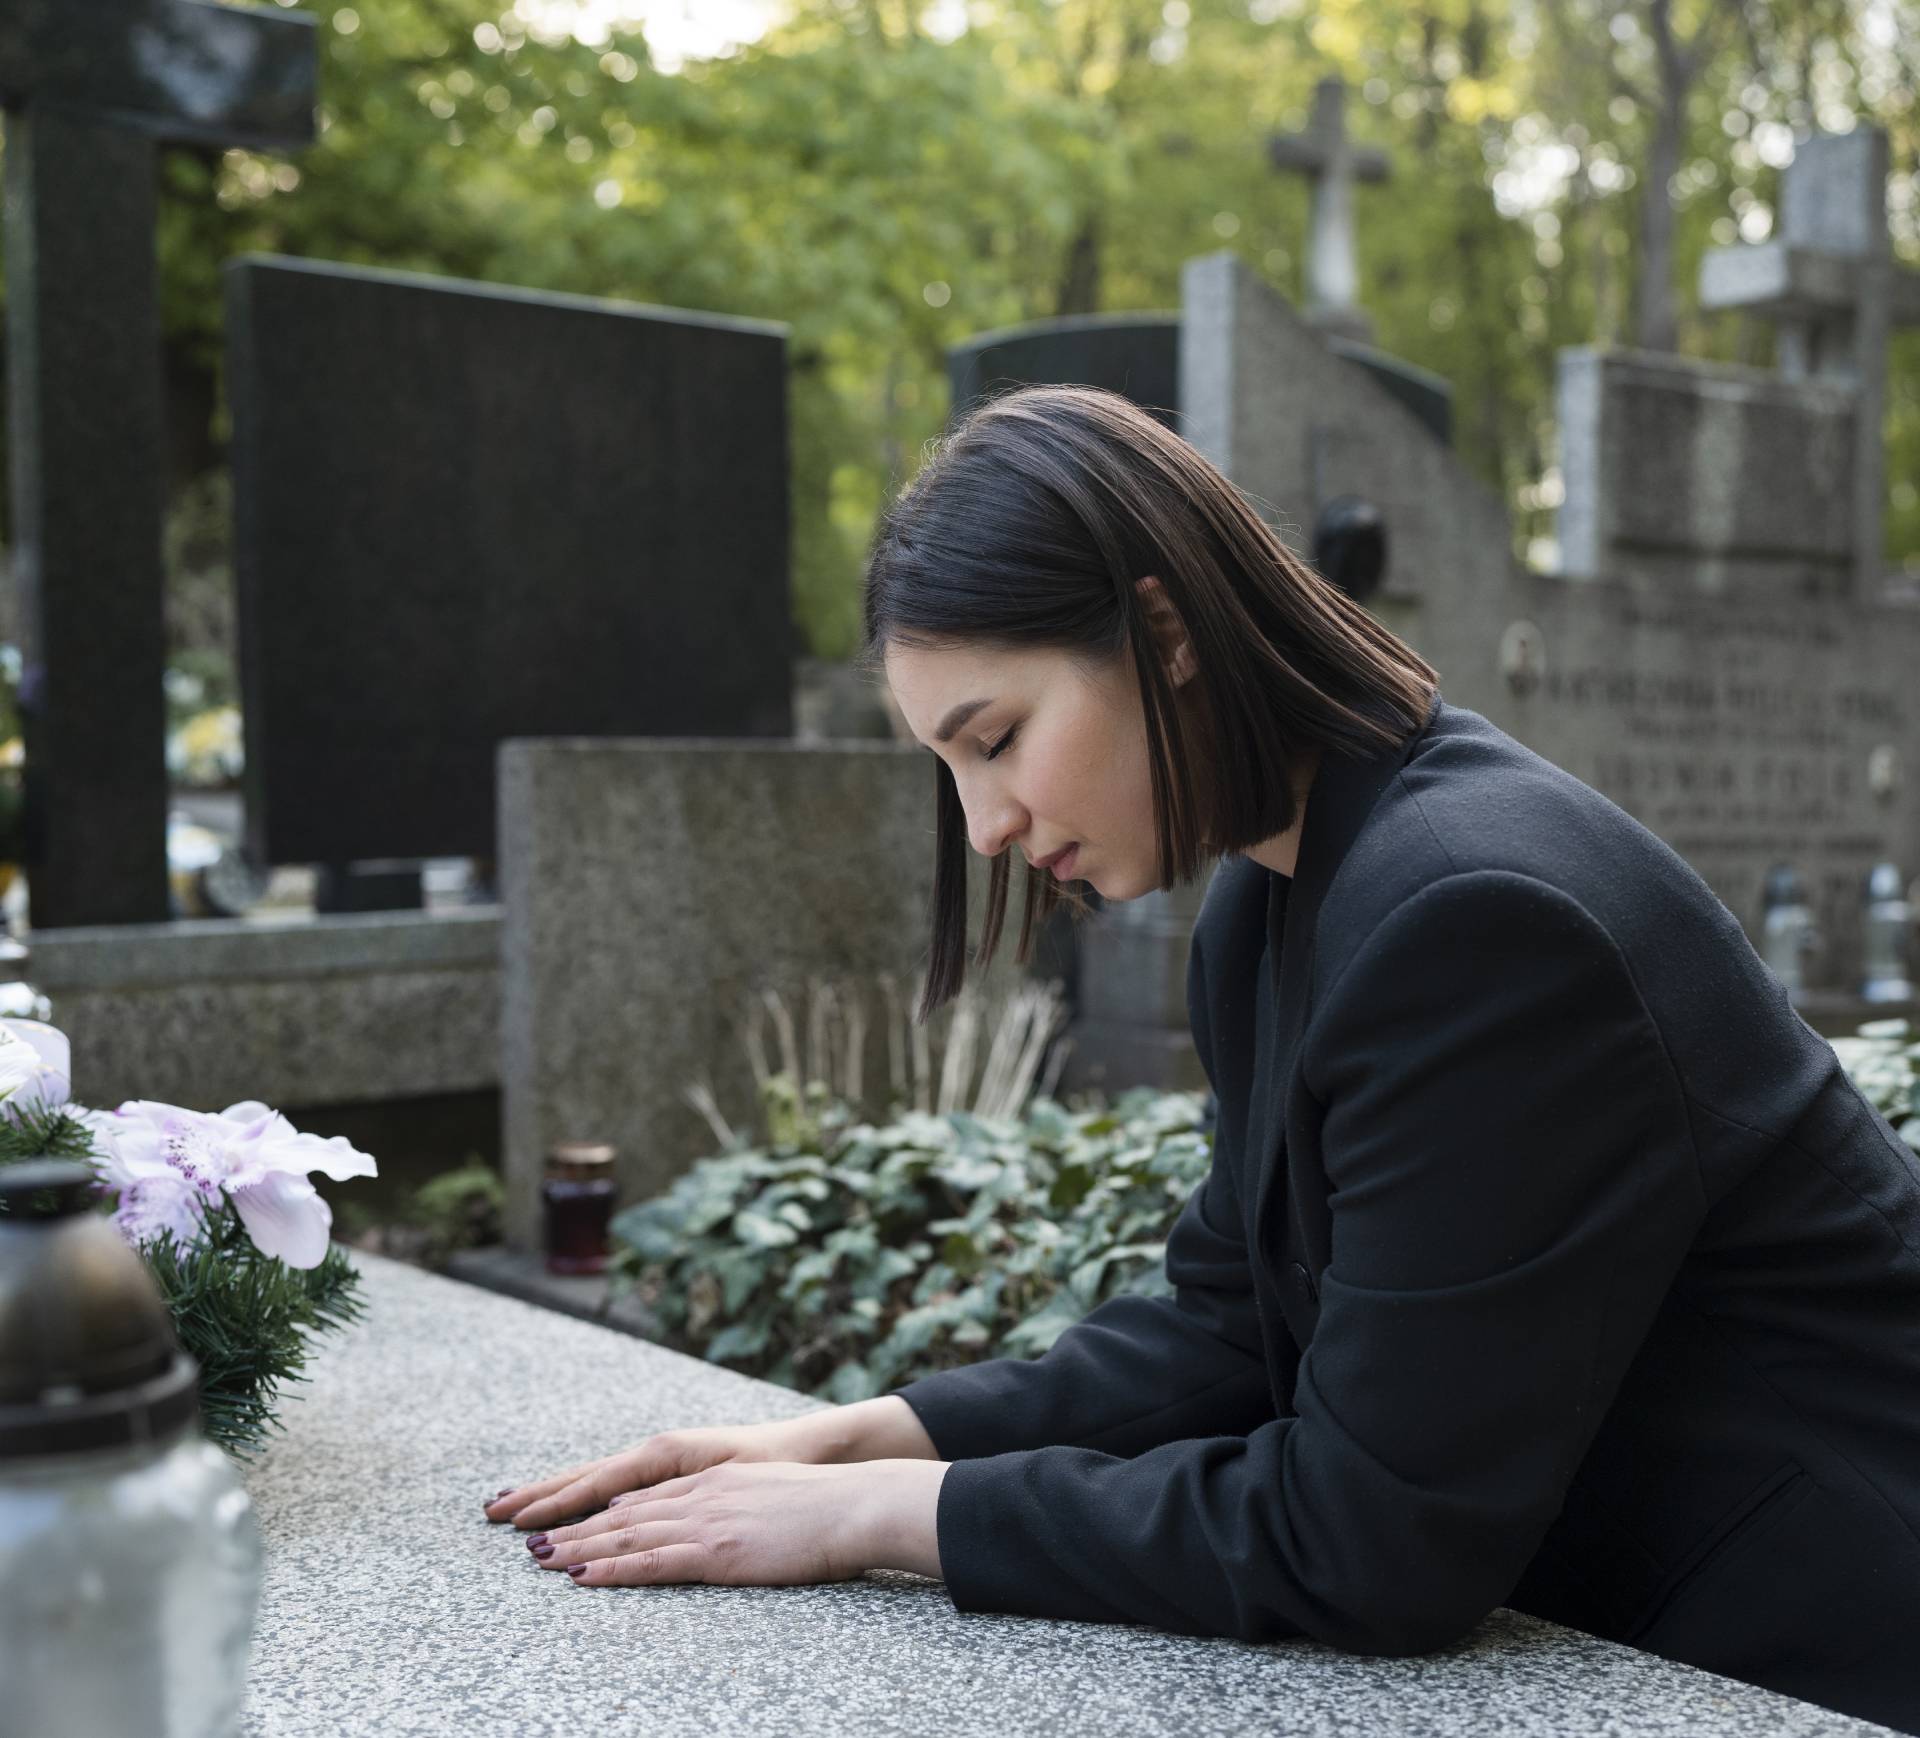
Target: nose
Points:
(994, 821)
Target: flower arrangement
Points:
(220, 1206)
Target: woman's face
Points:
(1045, 753)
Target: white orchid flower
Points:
(175, 1161)
(36, 1067)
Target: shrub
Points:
(846, 1259)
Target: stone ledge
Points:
(202, 950)
(522, 1274)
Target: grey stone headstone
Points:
(465, 513)
(1829, 283)
(1683, 474)
(1745, 726)
(89, 90)
(1333, 163)
(650, 887)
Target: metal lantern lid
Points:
(88, 1357)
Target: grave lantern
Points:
(1787, 930)
(1888, 931)
(578, 1193)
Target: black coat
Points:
(1548, 1259)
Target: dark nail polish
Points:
(543, 1552)
(536, 1541)
(576, 1570)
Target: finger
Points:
(611, 1542)
(654, 1567)
(508, 1502)
(607, 1521)
(585, 1495)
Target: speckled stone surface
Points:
(299, 1011)
(390, 1605)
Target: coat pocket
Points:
(1740, 1528)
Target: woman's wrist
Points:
(895, 1515)
(884, 1428)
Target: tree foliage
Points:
(888, 187)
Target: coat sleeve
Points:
(1137, 1371)
(1513, 1189)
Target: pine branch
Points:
(248, 1320)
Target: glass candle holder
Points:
(578, 1192)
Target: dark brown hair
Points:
(1029, 525)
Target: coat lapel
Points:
(1338, 802)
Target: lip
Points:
(1059, 859)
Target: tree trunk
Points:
(1656, 326)
(1080, 278)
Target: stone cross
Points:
(1829, 282)
(90, 88)
(1333, 163)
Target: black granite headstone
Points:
(1135, 355)
(89, 88)
(464, 513)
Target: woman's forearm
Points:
(884, 1428)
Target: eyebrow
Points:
(957, 717)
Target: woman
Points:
(1547, 1258)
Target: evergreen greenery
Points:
(245, 1318)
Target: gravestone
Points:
(1332, 163)
(650, 888)
(1134, 355)
(1830, 285)
(1747, 713)
(465, 512)
(90, 90)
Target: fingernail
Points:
(543, 1552)
(498, 1494)
(576, 1570)
(536, 1541)
(616, 1502)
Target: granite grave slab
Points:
(390, 1604)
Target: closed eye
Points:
(1001, 746)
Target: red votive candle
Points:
(578, 1192)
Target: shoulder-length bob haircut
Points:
(1030, 525)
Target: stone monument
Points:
(467, 512)
(1333, 163)
(89, 92)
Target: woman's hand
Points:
(762, 1524)
(593, 1484)
(884, 1428)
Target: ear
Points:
(1176, 650)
